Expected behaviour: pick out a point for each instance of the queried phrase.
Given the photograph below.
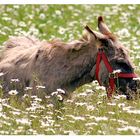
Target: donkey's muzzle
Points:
(133, 91)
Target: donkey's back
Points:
(17, 58)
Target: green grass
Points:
(88, 112)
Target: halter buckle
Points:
(113, 75)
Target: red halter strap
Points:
(112, 76)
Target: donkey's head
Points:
(118, 59)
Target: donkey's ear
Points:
(103, 27)
(88, 34)
(88, 29)
(91, 35)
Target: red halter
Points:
(112, 76)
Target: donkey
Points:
(53, 64)
(113, 68)
(56, 64)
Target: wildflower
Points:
(38, 99)
(61, 30)
(61, 91)
(57, 92)
(131, 7)
(14, 80)
(116, 97)
(138, 78)
(42, 16)
(89, 91)
(134, 129)
(13, 92)
(91, 124)
(111, 104)
(124, 32)
(47, 97)
(90, 107)
(28, 88)
(16, 6)
(121, 105)
(72, 133)
(25, 96)
(132, 111)
(110, 112)
(79, 118)
(22, 24)
(122, 122)
(58, 12)
(23, 121)
(95, 82)
(120, 96)
(54, 93)
(0, 109)
(38, 87)
(69, 101)
(44, 124)
(82, 94)
(76, 117)
(99, 102)
(60, 97)
(81, 104)
(137, 47)
(100, 88)
(15, 112)
(101, 118)
(1, 74)
(33, 31)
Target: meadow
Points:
(88, 112)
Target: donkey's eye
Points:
(104, 42)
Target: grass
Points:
(88, 112)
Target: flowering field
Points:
(88, 112)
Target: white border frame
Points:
(43, 137)
(69, 1)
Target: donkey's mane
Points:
(27, 47)
(58, 42)
(25, 42)
(67, 45)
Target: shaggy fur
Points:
(51, 64)
(57, 64)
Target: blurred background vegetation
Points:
(88, 112)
